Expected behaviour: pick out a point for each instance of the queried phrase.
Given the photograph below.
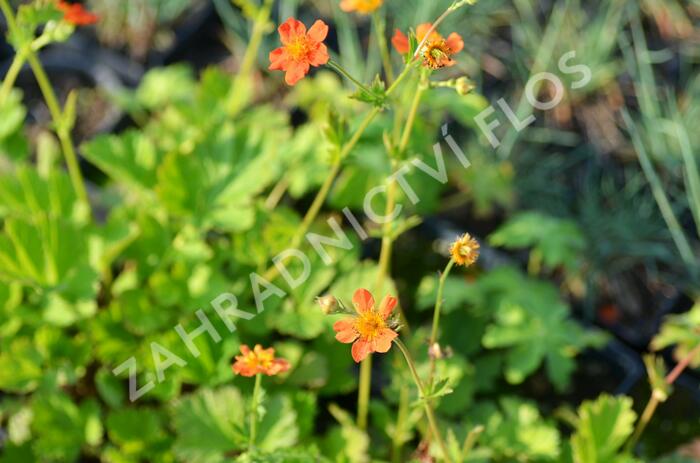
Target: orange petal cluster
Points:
(369, 331)
(437, 51)
(76, 14)
(300, 49)
(361, 6)
(259, 361)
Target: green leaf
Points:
(139, 433)
(13, 143)
(559, 242)
(455, 293)
(656, 371)
(209, 424)
(374, 95)
(532, 323)
(20, 366)
(346, 442)
(163, 86)
(62, 428)
(278, 428)
(292, 455)
(602, 429)
(516, 431)
(683, 331)
(129, 158)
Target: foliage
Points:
(212, 175)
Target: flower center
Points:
(465, 250)
(369, 325)
(436, 53)
(299, 48)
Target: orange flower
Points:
(259, 360)
(361, 6)
(75, 14)
(369, 330)
(436, 51)
(300, 50)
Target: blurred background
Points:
(595, 206)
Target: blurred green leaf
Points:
(603, 427)
(209, 424)
(683, 332)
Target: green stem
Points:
(62, 131)
(400, 78)
(11, 76)
(644, 420)
(384, 262)
(436, 316)
(364, 392)
(380, 29)
(432, 421)
(320, 198)
(413, 112)
(235, 99)
(655, 398)
(341, 70)
(682, 365)
(57, 115)
(398, 438)
(254, 411)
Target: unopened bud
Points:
(434, 351)
(464, 86)
(328, 304)
(437, 352)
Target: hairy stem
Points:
(322, 194)
(436, 316)
(397, 438)
(432, 421)
(12, 73)
(254, 411)
(62, 131)
(364, 391)
(380, 29)
(235, 103)
(343, 72)
(57, 115)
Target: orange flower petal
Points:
(318, 32)
(382, 343)
(345, 331)
(295, 72)
(347, 336)
(319, 56)
(347, 5)
(423, 29)
(455, 42)
(360, 350)
(290, 30)
(400, 42)
(278, 366)
(278, 59)
(363, 300)
(387, 306)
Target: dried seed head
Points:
(465, 251)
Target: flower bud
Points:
(464, 86)
(328, 304)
